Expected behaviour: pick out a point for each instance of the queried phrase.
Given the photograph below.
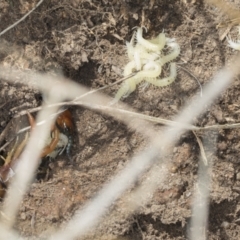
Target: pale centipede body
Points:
(146, 57)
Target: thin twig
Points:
(1, 106)
(187, 71)
(117, 110)
(76, 99)
(202, 151)
(108, 86)
(21, 19)
(156, 120)
(4, 133)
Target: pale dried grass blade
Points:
(89, 217)
(202, 151)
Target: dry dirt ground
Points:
(85, 40)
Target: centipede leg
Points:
(20, 147)
(10, 154)
(31, 120)
(48, 149)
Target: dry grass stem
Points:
(202, 151)
(89, 217)
(231, 12)
(21, 19)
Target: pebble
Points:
(3, 123)
(23, 216)
(225, 224)
(238, 176)
(222, 146)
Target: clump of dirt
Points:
(85, 41)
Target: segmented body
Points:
(60, 139)
(65, 123)
(146, 57)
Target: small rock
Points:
(23, 216)
(27, 96)
(3, 123)
(230, 135)
(225, 224)
(222, 146)
(238, 176)
(11, 91)
(218, 114)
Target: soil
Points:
(85, 41)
